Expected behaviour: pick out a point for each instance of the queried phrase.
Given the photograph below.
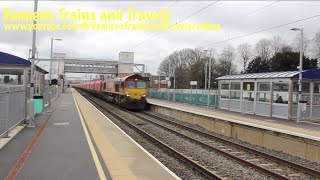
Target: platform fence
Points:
(54, 93)
(12, 107)
(14, 103)
(197, 97)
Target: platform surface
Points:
(306, 129)
(124, 158)
(77, 142)
(62, 150)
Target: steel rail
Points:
(226, 154)
(244, 148)
(209, 174)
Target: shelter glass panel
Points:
(248, 86)
(263, 97)
(316, 88)
(248, 96)
(235, 94)
(305, 95)
(316, 99)
(235, 86)
(11, 79)
(281, 87)
(225, 94)
(263, 86)
(225, 86)
(280, 93)
(305, 87)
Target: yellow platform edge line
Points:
(116, 166)
(137, 144)
(96, 160)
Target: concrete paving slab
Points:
(62, 151)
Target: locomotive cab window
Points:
(142, 84)
(130, 84)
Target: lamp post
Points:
(205, 76)
(209, 64)
(159, 82)
(170, 71)
(32, 78)
(51, 54)
(300, 73)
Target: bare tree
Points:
(263, 49)
(225, 65)
(296, 44)
(187, 65)
(316, 42)
(278, 44)
(164, 66)
(244, 51)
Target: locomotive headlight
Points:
(143, 95)
(127, 95)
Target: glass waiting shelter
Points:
(272, 94)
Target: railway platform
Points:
(299, 139)
(76, 141)
(311, 129)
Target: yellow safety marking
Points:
(117, 168)
(91, 147)
(311, 123)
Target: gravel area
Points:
(174, 164)
(225, 167)
(277, 168)
(216, 162)
(280, 154)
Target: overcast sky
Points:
(236, 19)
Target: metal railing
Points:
(198, 97)
(12, 107)
(14, 104)
(54, 93)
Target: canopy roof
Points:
(307, 74)
(9, 59)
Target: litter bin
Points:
(303, 106)
(38, 104)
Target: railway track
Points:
(203, 170)
(272, 166)
(233, 150)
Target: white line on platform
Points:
(61, 124)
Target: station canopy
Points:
(307, 74)
(15, 61)
(9, 59)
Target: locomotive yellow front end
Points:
(135, 91)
